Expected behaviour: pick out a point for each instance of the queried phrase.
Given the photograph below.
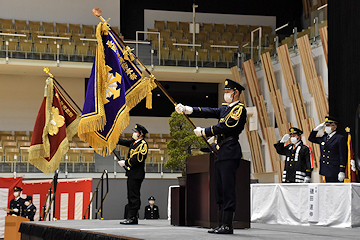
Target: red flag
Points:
(350, 171)
(56, 122)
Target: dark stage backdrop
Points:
(132, 12)
(344, 66)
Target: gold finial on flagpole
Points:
(47, 70)
(97, 13)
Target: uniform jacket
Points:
(298, 163)
(29, 212)
(230, 125)
(19, 204)
(333, 153)
(135, 162)
(151, 212)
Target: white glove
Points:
(121, 163)
(211, 140)
(341, 176)
(181, 108)
(285, 138)
(320, 126)
(199, 131)
(307, 179)
(16, 210)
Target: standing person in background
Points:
(299, 160)
(17, 204)
(134, 166)
(333, 150)
(151, 210)
(232, 118)
(30, 209)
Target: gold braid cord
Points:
(235, 114)
(141, 151)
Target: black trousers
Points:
(332, 179)
(133, 194)
(225, 177)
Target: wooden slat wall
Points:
(275, 95)
(258, 101)
(252, 136)
(295, 95)
(315, 84)
(324, 40)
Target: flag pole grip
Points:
(97, 13)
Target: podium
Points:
(201, 207)
(12, 225)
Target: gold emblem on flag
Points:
(56, 122)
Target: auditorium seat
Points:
(13, 44)
(183, 41)
(7, 138)
(169, 43)
(233, 43)
(243, 29)
(189, 55)
(48, 26)
(61, 27)
(22, 144)
(6, 23)
(227, 36)
(20, 24)
(74, 28)
(207, 44)
(53, 48)
(158, 156)
(166, 136)
(215, 36)
(127, 135)
(152, 36)
(228, 56)
(178, 34)
(76, 37)
(159, 25)
(68, 50)
(155, 135)
(165, 34)
(207, 27)
(202, 55)
(220, 42)
(82, 145)
(231, 28)
(12, 156)
(116, 30)
(184, 26)
(164, 54)
(87, 157)
(23, 31)
(215, 56)
(34, 26)
(176, 54)
(238, 37)
(82, 50)
(40, 47)
(202, 36)
(252, 28)
(219, 27)
(171, 25)
(322, 24)
(266, 30)
(52, 34)
(189, 36)
(73, 157)
(24, 158)
(155, 43)
(87, 29)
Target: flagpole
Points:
(46, 69)
(97, 13)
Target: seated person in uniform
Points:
(151, 210)
(29, 210)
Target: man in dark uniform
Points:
(134, 166)
(299, 161)
(30, 209)
(17, 204)
(333, 150)
(232, 118)
(151, 210)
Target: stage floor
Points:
(161, 229)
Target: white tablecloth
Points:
(339, 204)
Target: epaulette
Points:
(225, 104)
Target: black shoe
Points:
(214, 230)
(130, 221)
(225, 229)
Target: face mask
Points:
(16, 194)
(135, 136)
(328, 130)
(227, 97)
(27, 203)
(151, 202)
(293, 140)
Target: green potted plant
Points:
(183, 143)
